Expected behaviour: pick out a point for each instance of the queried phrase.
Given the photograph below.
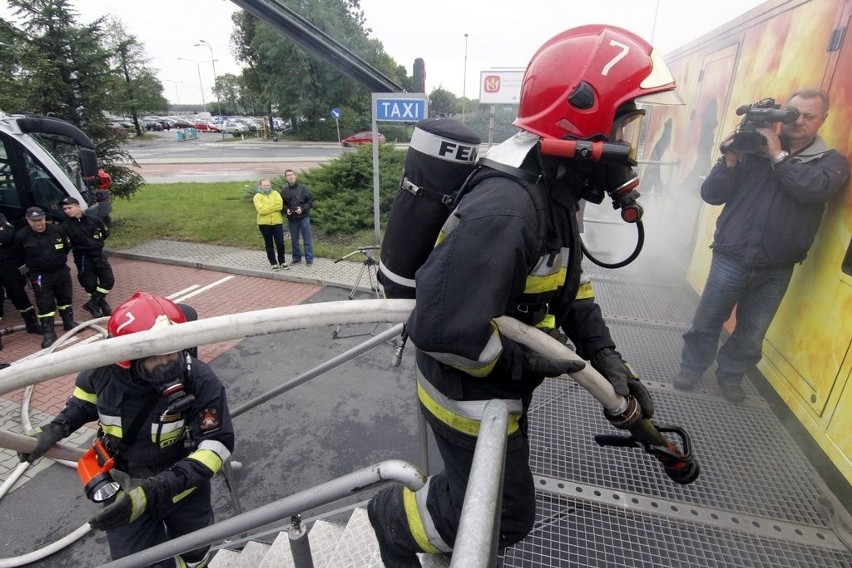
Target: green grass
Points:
(214, 213)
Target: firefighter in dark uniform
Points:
(166, 422)
(511, 247)
(87, 235)
(44, 249)
(11, 279)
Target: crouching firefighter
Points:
(164, 431)
(511, 247)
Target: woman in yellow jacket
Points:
(268, 204)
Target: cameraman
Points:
(773, 201)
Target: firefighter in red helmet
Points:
(165, 422)
(511, 247)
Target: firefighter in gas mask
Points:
(165, 424)
(511, 247)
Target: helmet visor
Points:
(626, 130)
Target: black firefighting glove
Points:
(46, 438)
(543, 366)
(129, 506)
(608, 362)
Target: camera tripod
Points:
(370, 267)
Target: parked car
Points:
(204, 126)
(363, 137)
(233, 127)
(179, 122)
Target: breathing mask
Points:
(167, 374)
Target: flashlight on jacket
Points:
(94, 471)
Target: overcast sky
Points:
(500, 33)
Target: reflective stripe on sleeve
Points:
(85, 396)
(585, 291)
(111, 425)
(483, 366)
(463, 415)
(211, 454)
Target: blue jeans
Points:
(273, 233)
(757, 293)
(302, 226)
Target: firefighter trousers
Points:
(51, 289)
(428, 520)
(94, 272)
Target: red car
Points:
(364, 137)
(206, 127)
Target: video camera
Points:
(762, 114)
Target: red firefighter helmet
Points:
(577, 80)
(141, 313)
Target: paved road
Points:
(165, 159)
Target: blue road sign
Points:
(335, 113)
(395, 109)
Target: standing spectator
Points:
(268, 204)
(11, 279)
(773, 202)
(87, 236)
(298, 202)
(44, 248)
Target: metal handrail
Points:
(479, 527)
(345, 486)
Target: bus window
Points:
(46, 193)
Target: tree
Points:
(139, 90)
(442, 102)
(64, 69)
(304, 88)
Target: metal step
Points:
(332, 545)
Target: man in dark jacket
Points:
(511, 247)
(298, 202)
(773, 202)
(44, 249)
(11, 279)
(87, 235)
(165, 421)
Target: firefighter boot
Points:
(105, 309)
(93, 306)
(386, 512)
(49, 333)
(67, 315)
(31, 321)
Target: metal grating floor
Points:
(755, 504)
(574, 533)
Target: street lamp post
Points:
(215, 92)
(177, 93)
(464, 79)
(200, 84)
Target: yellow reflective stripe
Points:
(456, 421)
(112, 430)
(546, 283)
(483, 366)
(111, 425)
(165, 438)
(415, 524)
(85, 396)
(586, 291)
(548, 322)
(208, 458)
(182, 494)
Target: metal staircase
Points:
(333, 545)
